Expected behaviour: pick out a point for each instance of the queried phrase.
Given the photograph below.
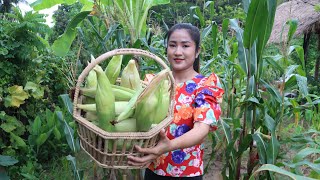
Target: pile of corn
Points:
(126, 106)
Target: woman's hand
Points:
(163, 146)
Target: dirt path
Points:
(215, 167)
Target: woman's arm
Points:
(193, 137)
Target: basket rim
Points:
(129, 135)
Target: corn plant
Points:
(132, 15)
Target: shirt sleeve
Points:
(207, 102)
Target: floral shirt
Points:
(196, 100)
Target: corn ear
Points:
(105, 101)
(130, 76)
(91, 116)
(144, 112)
(91, 80)
(163, 95)
(120, 93)
(87, 107)
(120, 106)
(129, 110)
(88, 92)
(88, 100)
(113, 68)
(127, 125)
(150, 102)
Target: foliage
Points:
(62, 17)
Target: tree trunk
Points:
(306, 42)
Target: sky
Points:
(25, 7)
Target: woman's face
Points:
(181, 50)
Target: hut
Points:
(308, 23)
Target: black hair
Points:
(195, 36)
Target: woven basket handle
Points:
(124, 51)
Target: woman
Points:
(179, 152)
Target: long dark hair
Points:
(195, 36)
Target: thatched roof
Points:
(303, 11)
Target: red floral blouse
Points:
(196, 100)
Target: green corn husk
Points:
(127, 125)
(113, 69)
(120, 93)
(129, 110)
(87, 107)
(119, 107)
(91, 80)
(91, 116)
(105, 101)
(150, 102)
(163, 95)
(88, 100)
(88, 92)
(130, 76)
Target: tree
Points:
(6, 5)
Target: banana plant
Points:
(132, 15)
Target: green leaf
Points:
(275, 65)
(36, 91)
(50, 117)
(77, 174)
(273, 168)
(199, 15)
(300, 53)
(302, 84)
(68, 131)
(225, 25)
(62, 45)
(206, 31)
(44, 4)
(266, 28)
(36, 126)
(273, 91)
(273, 149)
(269, 122)
(214, 39)
(67, 102)
(18, 95)
(8, 127)
(293, 25)
(57, 133)
(242, 51)
(261, 146)
(313, 166)
(254, 22)
(305, 152)
(20, 142)
(41, 139)
(7, 160)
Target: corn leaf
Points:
(273, 168)
(242, 52)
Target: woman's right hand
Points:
(151, 154)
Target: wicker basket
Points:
(95, 141)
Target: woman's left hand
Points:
(151, 154)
